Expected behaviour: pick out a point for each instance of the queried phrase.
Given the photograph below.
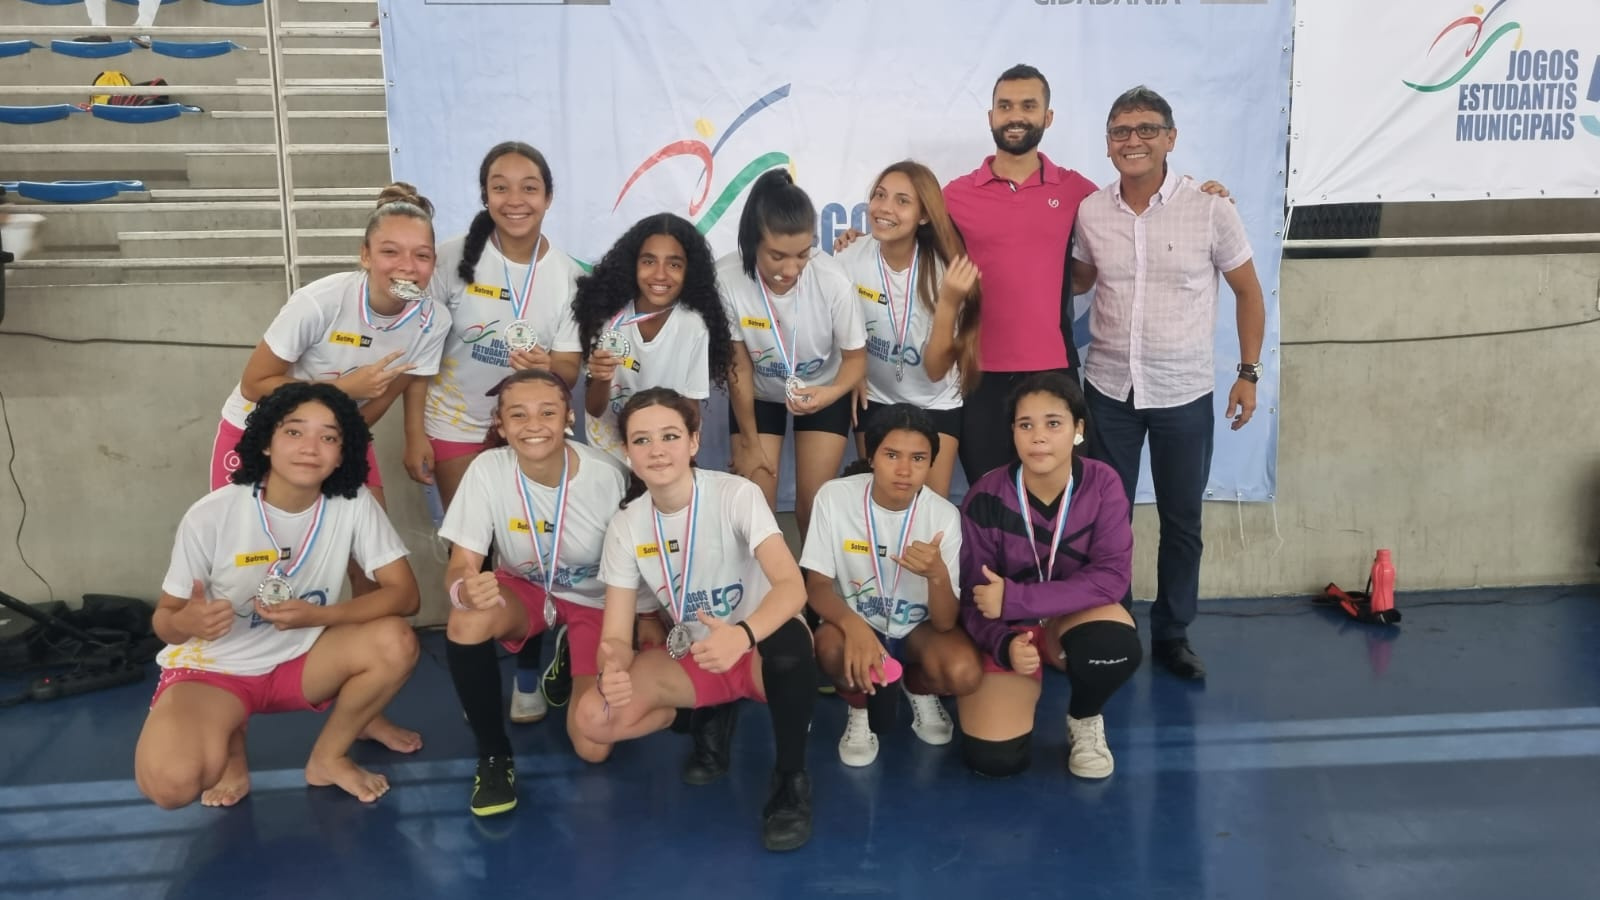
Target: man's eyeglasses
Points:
(1145, 130)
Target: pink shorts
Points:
(990, 664)
(277, 691)
(714, 690)
(444, 450)
(583, 623)
(225, 459)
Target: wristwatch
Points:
(1250, 372)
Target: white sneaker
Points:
(859, 746)
(527, 708)
(1087, 753)
(929, 721)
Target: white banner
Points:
(646, 106)
(1445, 100)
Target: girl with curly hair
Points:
(919, 298)
(659, 266)
(250, 607)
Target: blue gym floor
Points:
(1455, 757)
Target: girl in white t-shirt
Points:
(800, 354)
(364, 331)
(657, 288)
(706, 547)
(541, 504)
(509, 291)
(883, 564)
(250, 607)
(919, 297)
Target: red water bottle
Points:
(1382, 583)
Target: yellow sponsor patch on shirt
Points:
(870, 295)
(521, 526)
(644, 551)
(861, 547)
(255, 558)
(753, 322)
(486, 291)
(346, 338)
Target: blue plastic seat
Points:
(193, 49)
(70, 191)
(139, 115)
(16, 48)
(92, 49)
(34, 115)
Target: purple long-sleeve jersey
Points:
(1093, 566)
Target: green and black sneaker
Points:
(494, 788)
(557, 683)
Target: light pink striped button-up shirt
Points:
(1155, 302)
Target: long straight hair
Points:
(939, 237)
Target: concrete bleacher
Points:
(212, 202)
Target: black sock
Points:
(529, 671)
(475, 669)
(789, 670)
(1101, 657)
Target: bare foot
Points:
(235, 781)
(356, 781)
(387, 733)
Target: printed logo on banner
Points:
(1535, 100)
(833, 218)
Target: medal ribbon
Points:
(424, 306)
(777, 327)
(519, 302)
(1055, 535)
(678, 599)
(872, 549)
(298, 559)
(902, 331)
(547, 569)
(623, 320)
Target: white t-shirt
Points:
(678, 358)
(837, 546)
(727, 582)
(476, 357)
(220, 541)
(321, 333)
(860, 263)
(820, 316)
(488, 508)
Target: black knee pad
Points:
(998, 759)
(1101, 657)
(1102, 645)
(788, 649)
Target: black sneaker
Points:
(786, 819)
(557, 683)
(494, 788)
(712, 729)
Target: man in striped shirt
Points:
(1151, 244)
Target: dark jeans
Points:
(986, 441)
(1180, 464)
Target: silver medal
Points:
(678, 642)
(793, 387)
(614, 342)
(406, 290)
(900, 365)
(549, 612)
(274, 590)
(520, 335)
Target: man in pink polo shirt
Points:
(1016, 213)
(1152, 244)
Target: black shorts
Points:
(945, 421)
(773, 418)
